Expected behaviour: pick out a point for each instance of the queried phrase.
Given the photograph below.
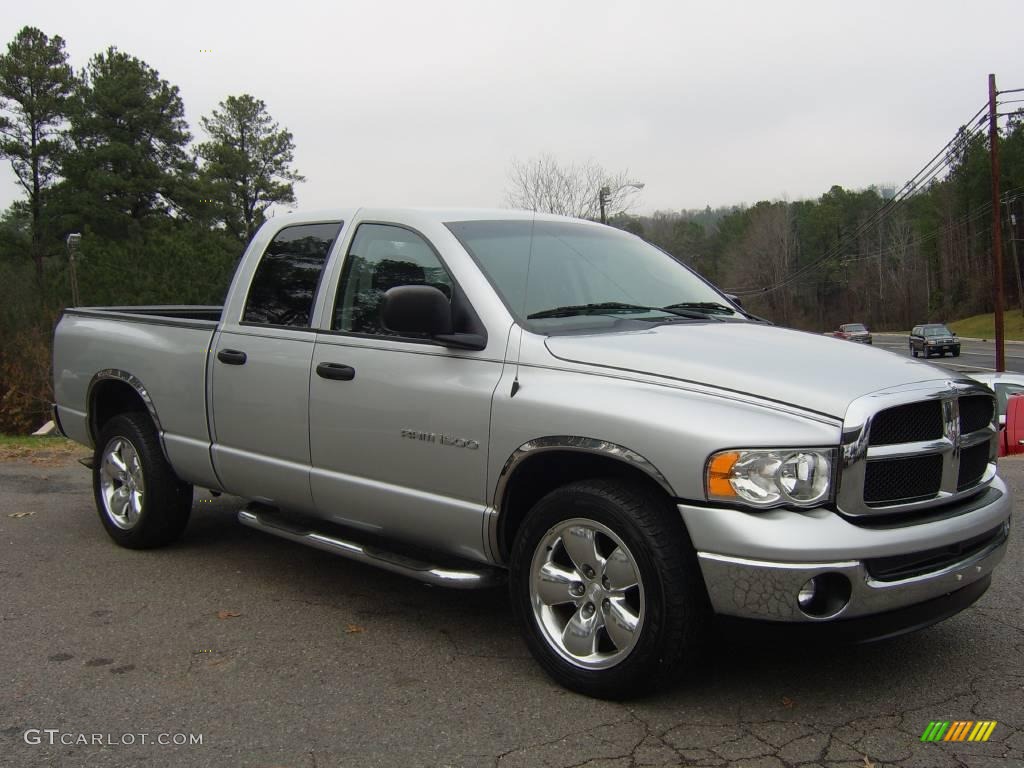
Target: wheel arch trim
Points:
(116, 374)
(573, 443)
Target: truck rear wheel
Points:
(141, 502)
(606, 588)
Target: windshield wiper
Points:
(612, 307)
(713, 307)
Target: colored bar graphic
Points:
(959, 730)
(983, 730)
(935, 730)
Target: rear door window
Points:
(286, 280)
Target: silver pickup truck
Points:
(465, 396)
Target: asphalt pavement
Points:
(975, 354)
(277, 655)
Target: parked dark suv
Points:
(934, 338)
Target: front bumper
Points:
(754, 564)
(862, 629)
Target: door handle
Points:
(336, 371)
(231, 357)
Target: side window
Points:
(286, 279)
(381, 257)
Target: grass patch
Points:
(29, 441)
(29, 447)
(984, 326)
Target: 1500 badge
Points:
(440, 439)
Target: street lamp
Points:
(604, 195)
(73, 242)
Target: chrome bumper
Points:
(759, 587)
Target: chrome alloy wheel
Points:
(586, 593)
(121, 483)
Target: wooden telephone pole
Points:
(997, 225)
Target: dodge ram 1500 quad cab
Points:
(465, 396)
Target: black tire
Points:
(956, 353)
(676, 613)
(913, 351)
(166, 501)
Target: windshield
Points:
(854, 328)
(585, 275)
(937, 330)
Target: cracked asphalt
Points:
(283, 656)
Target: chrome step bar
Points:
(478, 577)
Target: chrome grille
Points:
(916, 447)
(908, 423)
(973, 463)
(890, 481)
(975, 412)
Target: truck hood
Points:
(809, 371)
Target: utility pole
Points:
(603, 195)
(997, 244)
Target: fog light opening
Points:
(824, 595)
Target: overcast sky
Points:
(711, 103)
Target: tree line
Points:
(887, 258)
(107, 152)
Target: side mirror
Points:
(734, 299)
(423, 310)
(417, 310)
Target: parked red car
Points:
(853, 332)
(1011, 436)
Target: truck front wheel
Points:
(141, 502)
(606, 588)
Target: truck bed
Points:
(162, 314)
(159, 351)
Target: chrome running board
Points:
(474, 577)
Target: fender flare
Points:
(135, 383)
(575, 443)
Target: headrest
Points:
(391, 273)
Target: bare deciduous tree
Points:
(765, 253)
(569, 189)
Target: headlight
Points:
(770, 477)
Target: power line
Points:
(965, 219)
(939, 162)
(909, 190)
